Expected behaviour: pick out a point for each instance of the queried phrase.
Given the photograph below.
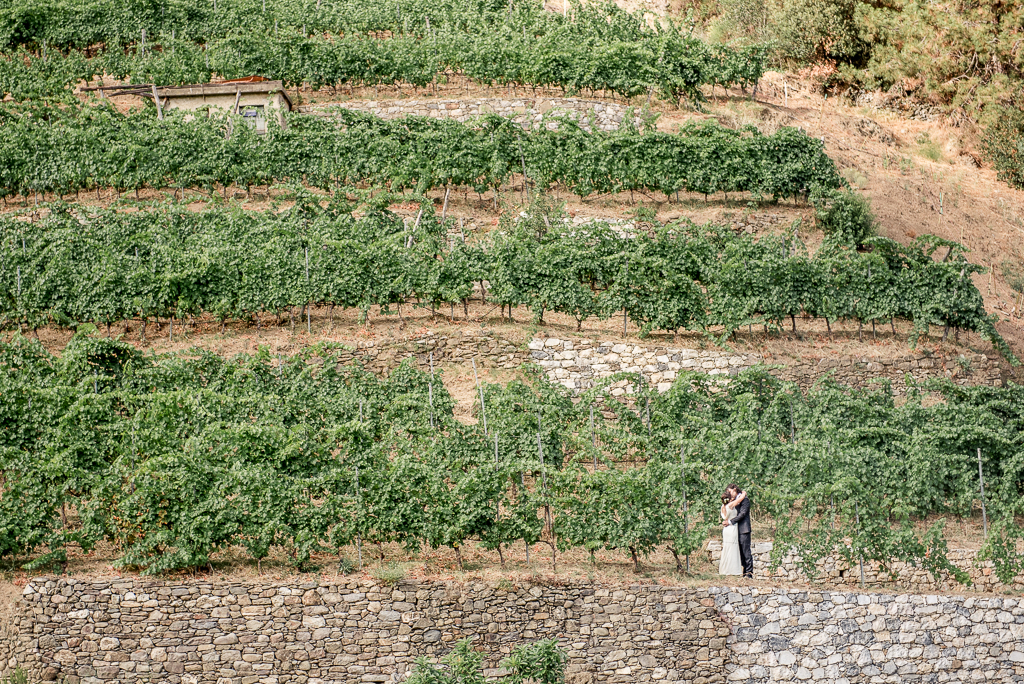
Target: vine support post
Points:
(544, 487)
(860, 554)
(430, 389)
(647, 398)
(309, 327)
(483, 409)
(522, 483)
(593, 437)
(625, 315)
(981, 482)
(522, 157)
(359, 538)
(686, 506)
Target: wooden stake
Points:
(159, 109)
(686, 507)
(981, 481)
(483, 410)
(861, 556)
(444, 207)
(593, 437)
(430, 388)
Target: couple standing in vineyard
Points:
(736, 556)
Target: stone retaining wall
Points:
(12, 651)
(357, 631)
(529, 112)
(132, 630)
(784, 635)
(487, 350)
(836, 572)
(577, 363)
(860, 371)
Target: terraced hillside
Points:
(616, 287)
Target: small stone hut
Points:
(255, 99)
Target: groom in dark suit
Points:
(742, 522)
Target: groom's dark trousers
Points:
(742, 523)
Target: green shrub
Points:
(542, 662)
(1003, 145)
(462, 665)
(16, 677)
(812, 31)
(797, 31)
(845, 216)
(929, 149)
(1014, 274)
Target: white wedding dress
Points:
(730, 563)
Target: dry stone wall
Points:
(132, 630)
(859, 371)
(836, 572)
(578, 363)
(357, 631)
(528, 112)
(784, 635)
(487, 350)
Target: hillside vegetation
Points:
(173, 459)
(749, 198)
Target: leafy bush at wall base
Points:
(172, 459)
(542, 662)
(106, 266)
(80, 149)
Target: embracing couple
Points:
(736, 558)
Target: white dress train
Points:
(730, 563)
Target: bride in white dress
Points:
(730, 563)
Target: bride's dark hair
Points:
(726, 497)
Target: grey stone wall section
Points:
(578, 362)
(357, 631)
(783, 635)
(528, 112)
(132, 630)
(836, 572)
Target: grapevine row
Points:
(179, 458)
(73, 150)
(599, 49)
(109, 266)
